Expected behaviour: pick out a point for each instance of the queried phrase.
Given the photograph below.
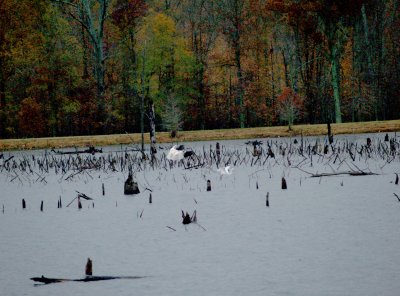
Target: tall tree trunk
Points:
(273, 95)
(240, 95)
(134, 93)
(100, 72)
(336, 87)
(2, 101)
(202, 101)
(142, 80)
(285, 66)
(367, 48)
(370, 75)
(152, 119)
(336, 41)
(85, 73)
(229, 102)
(93, 23)
(233, 25)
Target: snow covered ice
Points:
(335, 235)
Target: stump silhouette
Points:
(270, 153)
(88, 268)
(330, 136)
(284, 185)
(218, 151)
(131, 187)
(186, 219)
(386, 138)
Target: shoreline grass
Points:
(200, 135)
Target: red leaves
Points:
(288, 96)
(127, 13)
(290, 105)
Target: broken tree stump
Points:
(284, 184)
(218, 151)
(130, 186)
(270, 153)
(79, 203)
(186, 218)
(88, 268)
(330, 136)
(23, 204)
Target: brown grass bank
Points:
(205, 135)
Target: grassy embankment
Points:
(186, 136)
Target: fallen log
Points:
(46, 280)
(83, 195)
(90, 150)
(351, 173)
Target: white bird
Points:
(226, 170)
(175, 154)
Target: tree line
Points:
(81, 67)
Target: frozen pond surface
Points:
(334, 235)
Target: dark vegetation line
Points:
(295, 153)
(89, 143)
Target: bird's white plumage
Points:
(226, 170)
(175, 154)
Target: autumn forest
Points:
(84, 67)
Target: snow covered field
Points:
(334, 235)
